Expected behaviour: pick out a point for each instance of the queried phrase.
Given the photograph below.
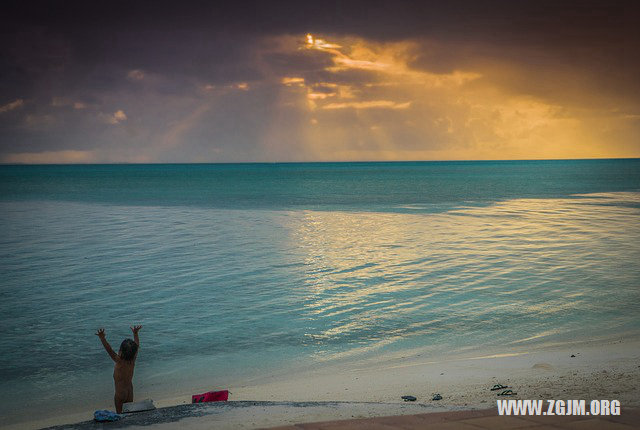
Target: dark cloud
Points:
(551, 24)
(297, 62)
(208, 38)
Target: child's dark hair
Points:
(128, 349)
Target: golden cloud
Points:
(370, 103)
(12, 105)
(48, 157)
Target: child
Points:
(125, 362)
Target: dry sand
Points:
(603, 370)
(600, 371)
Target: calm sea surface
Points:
(237, 271)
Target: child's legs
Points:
(123, 395)
(118, 401)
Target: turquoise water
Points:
(236, 271)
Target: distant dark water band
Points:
(392, 187)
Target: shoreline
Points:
(598, 370)
(253, 414)
(201, 417)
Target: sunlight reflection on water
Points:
(542, 264)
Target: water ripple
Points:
(247, 289)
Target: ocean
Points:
(237, 271)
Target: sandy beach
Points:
(608, 370)
(605, 370)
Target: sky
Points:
(281, 81)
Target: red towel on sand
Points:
(211, 396)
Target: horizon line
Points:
(116, 163)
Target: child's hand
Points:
(100, 333)
(135, 329)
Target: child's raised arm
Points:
(110, 351)
(135, 329)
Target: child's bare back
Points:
(125, 361)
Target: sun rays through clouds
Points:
(334, 96)
(365, 100)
